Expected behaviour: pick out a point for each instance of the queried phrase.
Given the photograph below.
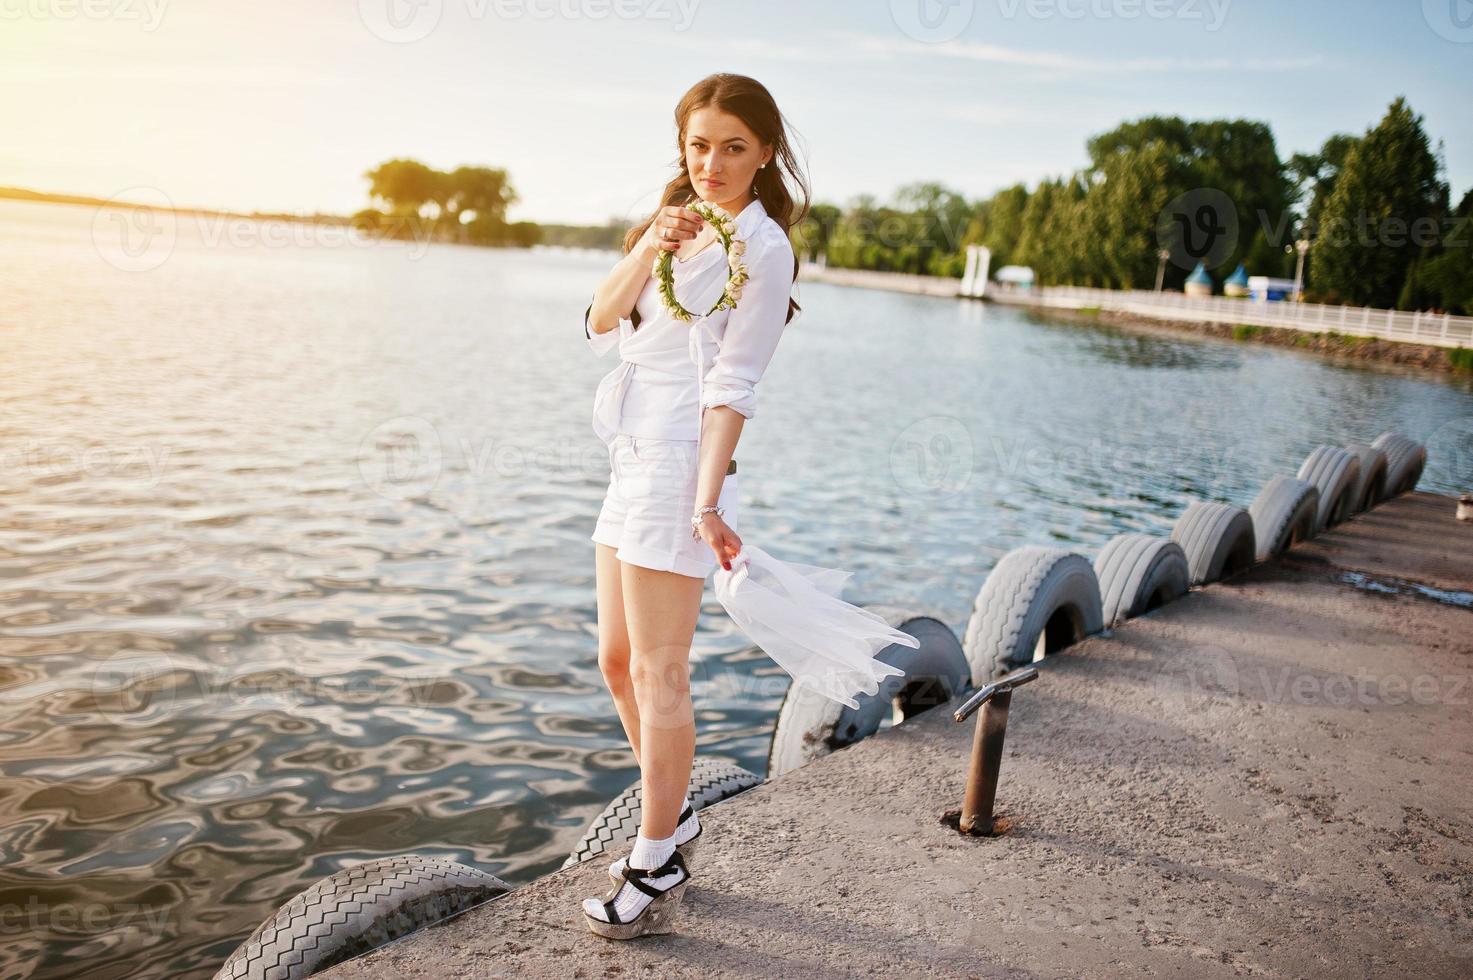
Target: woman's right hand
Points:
(672, 226)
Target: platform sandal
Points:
(655, 918)
(687, 850)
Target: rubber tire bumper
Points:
(1335, 472)
(1036, 601)
(1217, 539)
(711, 781)
(1284, 514)
(810, 725)
(1137, 573)
(1405, 459)
(357, 910)
(1370, 481)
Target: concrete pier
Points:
(1270, 776)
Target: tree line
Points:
(1375, 210)
(1159, 195)
(466, 205)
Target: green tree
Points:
(405, 186)
(1122, 212)
(483, 192)
(1314, 176)
(1443, 279)
(931, 237)
(1387, 191)
(1237, 157)
(816, 230)
(1047, 239)
(998, 222)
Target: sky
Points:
(281, 105)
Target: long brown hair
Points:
(748, 100)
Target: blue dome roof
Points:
(1238, 278)
(1199, 275)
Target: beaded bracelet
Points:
(698, 516)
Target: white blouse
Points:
(652, 393)
(794, 612)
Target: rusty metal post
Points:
(981, 794)
(975, 816)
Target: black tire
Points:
(1217, 540)
(1335, 473)
(1405, 459)
(1283, 514)
(1370, 481)
(1138, 573)
(711, 781)
(810, 725)
(1037, 601)
(356, 910)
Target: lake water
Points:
(294, 557)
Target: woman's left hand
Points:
(722, 539)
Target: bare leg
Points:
(613, 641)
(661, 609)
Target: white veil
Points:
(794, 613)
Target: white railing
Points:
(1437, 329)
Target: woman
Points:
(669, 517)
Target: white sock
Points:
(630, 901)
(649, 854)
(684, 831)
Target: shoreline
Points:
(1338, 346)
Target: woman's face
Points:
(722, 156)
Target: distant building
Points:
(1265, 288)
(1237, 283)
(1199, 283)
(1015, 277)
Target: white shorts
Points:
(647, 509)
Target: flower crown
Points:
(664, 272)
